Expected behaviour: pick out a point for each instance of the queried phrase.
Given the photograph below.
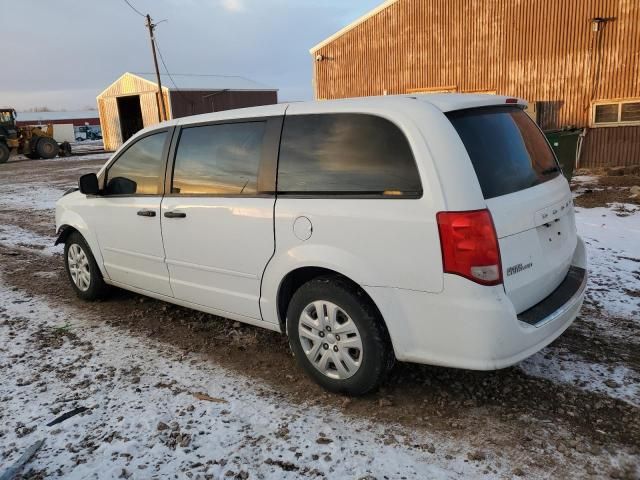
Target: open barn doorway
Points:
(130, 115)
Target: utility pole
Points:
(161, 116)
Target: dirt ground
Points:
(552, 425)
(598, 191)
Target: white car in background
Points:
(434, 229)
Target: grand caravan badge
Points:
(512, 270)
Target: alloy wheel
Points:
(79, 267)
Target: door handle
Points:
(175, 214)
(146, 213)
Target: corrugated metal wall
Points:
(541, 50)
(191, 102)
(110, 123)
(611, 146)
(108, 108)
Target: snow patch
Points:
(14, 236)
(29, 196)
(615, 381)
(613, 248)
(584, 179)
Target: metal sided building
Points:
(133, 102)
(577, 62)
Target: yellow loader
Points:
(33, 142)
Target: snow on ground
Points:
(615, 381)
(145, 418)
(583, 183)
(88, 144)
(14, 236)
(29, 196)
(613, 246)
(583, 179)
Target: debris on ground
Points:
(12, 472)
(67, 415)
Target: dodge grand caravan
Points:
(434, 229)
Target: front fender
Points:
(68, 221)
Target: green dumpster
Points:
(566, 144)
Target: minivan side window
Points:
(220, 159)
(346, 154)
(139, 170)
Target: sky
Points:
(61, 54)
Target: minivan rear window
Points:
(508, 151)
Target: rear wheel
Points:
(82, 269)
(4, 153)
(47, 147)
(338, 337)
(65, 149)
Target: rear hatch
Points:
(528, 198)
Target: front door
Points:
(217, 222)
(127, 219)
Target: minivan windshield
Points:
(508, 151)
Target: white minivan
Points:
(435, 229)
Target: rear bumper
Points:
(559, 301)
(475, 327)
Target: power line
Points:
(165, 65)
(134, 8)
(169, 74)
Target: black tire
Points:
(4, 153)
(376, 356)
(65, 149)
(33, 145)
(47, 147)
(96, 288)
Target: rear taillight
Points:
(470, 246)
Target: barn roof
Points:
(205, 82)
(353, 25)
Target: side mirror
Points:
(89, 184)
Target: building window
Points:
(443, 89)
(619, 112)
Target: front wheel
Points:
(338, 337)
(4, 153)
(47, 147)
(82, 269)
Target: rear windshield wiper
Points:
(550, 170)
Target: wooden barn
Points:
(133, 102)
(577, 62)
